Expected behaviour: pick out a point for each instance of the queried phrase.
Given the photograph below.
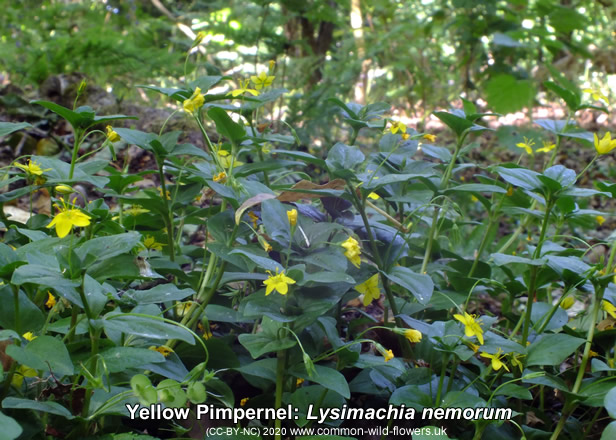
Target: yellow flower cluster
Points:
(352, 251)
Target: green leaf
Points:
(342, 159)
(10, 428)
(411, 396)
(48, 407)
(521, 177)
(552, 349)
(571, 99)
(514, 391)
(264, 262)
(456, 123)
(328, 377)
(158, 294)
(504, 259)
(276, 222)
(478, 187)
(505, 94)
(10, 127)
(118, 359)
(267, 340)
(226, 126)
(421, 286)
(28, 311)
(610, 403)
(609, 433)
(109, 246)
(44, 353)
(145, 327)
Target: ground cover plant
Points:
(254, 271)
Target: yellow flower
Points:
(51, 300)
(413, 335)
(112, 136)
(243, 88)
(253, 218)
(292, 216)
(207, 334)
(606, 144)
(592, 353)
(272, 64)
(374, 196)
(220, 177)
(471, 327)
(199, 38)
(596, 95)
(567, 302)
(167, 193)
(32, 168)
(370, 289)
(600, 219)
(279, 282)
(609, 308)
(151, 243)
(353, 251)
(262, 80)
(497, 364)
(473, 347)
(67, 218)
(547, 147)
(397, 126)
(181, 308)
(430, 137)
(405, 136)
(527, 145)
(510, 191)
(474, 198)
(298, 382)
(29, 336)
(194, 103)
(244, 401)
(21, 373)
(162, 349)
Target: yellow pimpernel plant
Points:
(262, 80)
(352, 251)
(547, 147)
(527, 145)
(279, 282)
(194, 103)
(370, 289)
(67, 218)
(605, 145)
(32, 168)
(495, 359)
(112, 136)
(397, 126)
(242, 89)
(471, 326)
(597, 95)
(292, 216)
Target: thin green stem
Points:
(169, 216)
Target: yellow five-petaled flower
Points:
(497, 364)
(547, 147)
(279, 282)
(151, 243)
(370, 289)
(352, 251)
(606, 144)
(194, 103)
(471, 326)
(33, 168)
(397, 126)
(243, 88)
(527, 145)
(67, 218)
(262, 80)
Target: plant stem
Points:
(534, 272)
(78, 137)
(431, 234)
(169, 216)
